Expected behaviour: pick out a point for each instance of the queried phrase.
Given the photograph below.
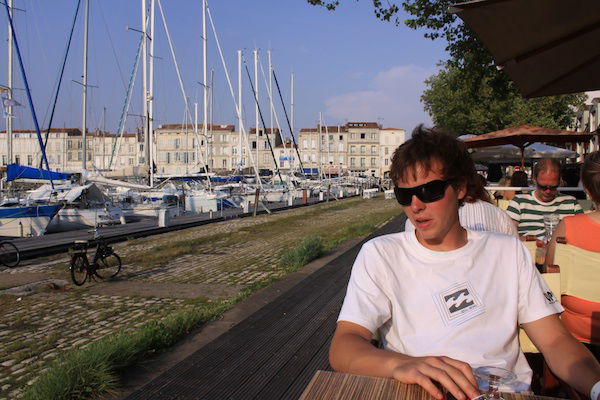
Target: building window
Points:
(352, 161)
(305, 144)
(341, 137)
(352, 136)
(387, 161)
(17, 160)
(352, 149)
(363, 149)
(373, 162)
(69, 144)
(362, 162)
(3, 160)
(314, 144)
(373, 149)
(363, 135)
(79, 144)
(341, 147)
(29, 159)
(224, 163)
(373, 136)
(386, 150)
(69, 156)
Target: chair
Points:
(579, 277)
(579, 271)
(503, 204)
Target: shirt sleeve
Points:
(507, 224)
(577, 208)
(366, 303)
(536, 300)
(514, 210)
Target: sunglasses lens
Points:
(432, 191)
(404, 195)
(427, 193)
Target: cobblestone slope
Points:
(224, 258)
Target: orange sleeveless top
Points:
(581, 231)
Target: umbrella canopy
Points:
(509, 153)
(547, 47)
(524, 135)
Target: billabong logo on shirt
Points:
(458, 300)
(550, 299)
(458, 303)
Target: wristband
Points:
(595, 392)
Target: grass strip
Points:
(94, 370)
(304, 252)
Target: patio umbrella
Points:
(547, 47)
(523, 136)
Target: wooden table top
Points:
(326, 385)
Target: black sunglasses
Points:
(544, 187)
(427, 192)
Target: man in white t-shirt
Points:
(445, 300)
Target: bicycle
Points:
(105, 264)
(9, 254)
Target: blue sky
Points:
(347, 64)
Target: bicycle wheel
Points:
(9, 254)
(109, 266)
(79, 268)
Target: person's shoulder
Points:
(390, 239)
(523, 198)
(566, 198)
(489, 238)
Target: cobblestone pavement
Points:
(224, 258)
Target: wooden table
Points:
(326, 385)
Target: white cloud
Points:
(394, 96)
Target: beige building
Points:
(179, 149)
(64, 149)
(356, 148)
(390, 139)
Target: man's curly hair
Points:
(428, 144)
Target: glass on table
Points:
(550, 223)
(494, 376)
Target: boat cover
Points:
(14, 171)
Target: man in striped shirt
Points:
(528, 210)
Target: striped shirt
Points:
(481, 216)
(529, 212)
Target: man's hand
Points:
(456, 376)
(352, 352)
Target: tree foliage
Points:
(470, 95)
(465, 104)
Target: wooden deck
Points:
(273, 353)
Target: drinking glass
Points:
(495, 376)
(550, 223)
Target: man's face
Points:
(546, 183)
(436, 223)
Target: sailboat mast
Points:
(85, 58)
(256, 105)
(144, 90)
(10, 94)
(271, 99)
(239, 57)
(205, 86)
(150, 98)
(292, 164)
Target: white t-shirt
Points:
(481, 216)
(465, 304)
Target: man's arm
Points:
(351, 351)
(565, 356)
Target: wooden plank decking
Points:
(273, 353)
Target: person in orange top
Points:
(583, 231)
